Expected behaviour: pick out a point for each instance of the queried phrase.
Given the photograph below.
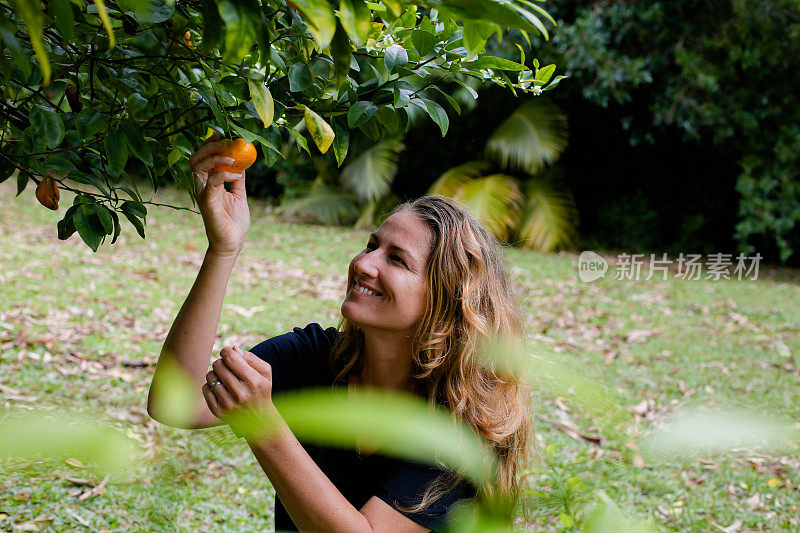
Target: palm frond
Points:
(494, 200)
(325, 204)
(532, 137)
(371, 173)
(448, 183)
(549, 218)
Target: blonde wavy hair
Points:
(469, 302)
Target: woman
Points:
(428, 288)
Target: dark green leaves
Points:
(212, 25)
(395, 55)
(92, 221)
(299, 77)
(359, 113)
(436, 112)
(341, 139)
(61, 11)
(88, 122)
(47, 124)
(137, 143)
(134, 211)
(116, 150)
(424, 42)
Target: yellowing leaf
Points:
(320, 131)
(39, 523)
(74, 462)
(103, 14)
(262, 101)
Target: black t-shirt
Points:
(300, 359)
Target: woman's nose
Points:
(367, 264)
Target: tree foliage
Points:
(724, 73)
(102, 96)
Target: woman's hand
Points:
(241, 394)
(226, 215)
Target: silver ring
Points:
(214, 384)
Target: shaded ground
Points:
(82, 330)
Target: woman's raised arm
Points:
(190, 341)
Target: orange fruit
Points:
(187, 35)
(243, 152)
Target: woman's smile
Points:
(365, 290)
(387, 284)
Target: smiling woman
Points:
(427, 289)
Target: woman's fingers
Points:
(207, 150)
(211, 401)
(218, 178)
(208, 163)
(236, 363)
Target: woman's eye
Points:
(398, 259)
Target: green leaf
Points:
(211, 99)
(212, 26)
(47, 124)
(394, 56)
(299, 139)
(318, 14)
(66, 227)
(354, 16)
(299, 77)
(359, 113)
(17, 52)
(137, 143)
(133, 211)
(475, 36)
(117, 227)
(437, 114)
(173, 157)
(135, 103)
(387, 116)
(31, 13)
(450, 100)
(545, 73)
(242, 22)
(262, 101)
(116, 150)
(85, 228)
(61, 12)
(22, 181)
(103, 14)
(424, 42)
(342, 52)
(154, 11)
(104, 215)
(321, 132)
(88, 122)
(341, 139)
(495, 63)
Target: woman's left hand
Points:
(241, 394)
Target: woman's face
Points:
(387, 284)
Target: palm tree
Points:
(359, 192)
(537, 211)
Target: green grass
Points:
(72, 322)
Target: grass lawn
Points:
(82, 330)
